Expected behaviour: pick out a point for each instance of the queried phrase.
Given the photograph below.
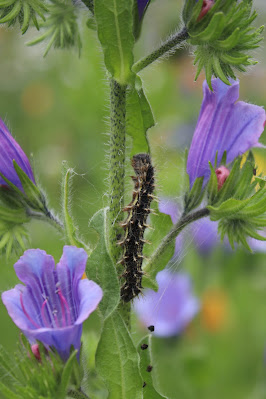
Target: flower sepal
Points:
(223, 36)
(194, 197)
(239, 208)
(47, 376)
(24, 12)
(61, 27)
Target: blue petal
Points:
(9, 151)
(142, 4)
(223, 125)
(11, 300)
(70, 270)
(171, 308)
(90, 294)
(36, 269)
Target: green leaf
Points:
(115, 31)
(149, 392)
(33, 194)
(66, 375)
(70, 227)
(8, 393)
(227, 208)
(13, 215)
(139, 119)
(194, 197)
(100, 267)
(117, 360)
(161, 225)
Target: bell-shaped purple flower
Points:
(9, 151)
(223, 125)
(54, 302)
(142, 4)
(170, 309)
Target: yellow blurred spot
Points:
(37, 99)
(214, 311)
(84, 276)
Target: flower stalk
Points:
(167, 48)
(116, 163)
(174, 232)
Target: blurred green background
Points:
(57, 109)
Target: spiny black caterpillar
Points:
(134, 226)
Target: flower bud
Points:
(36, 351)
(206, 6)
(222, 173)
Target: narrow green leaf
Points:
(70, 227)
(32, 192)
(117, 360)
(213, 30)
(66, 375)
(8, 393)
(115, 31)
(161, 225)
(100, 267)
(228, 208)
(149, 392)
(139, 119)
(194, 197)
(231, 41)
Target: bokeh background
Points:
(56, 108)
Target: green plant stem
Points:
(116, 164)
(165, 49)
(116, 178)
(49, 218)
(77, 394)
(174, 232)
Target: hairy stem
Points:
(165, 49)
(174, 232)
(116, 164)
(116, 177)
(77, 394)
(48, 217)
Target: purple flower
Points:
(9, 151)
(54, 302)
(223, 125)
(171, 308)
(142, 4)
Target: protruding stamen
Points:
(26, 313)
(46, 322)
(64, 303)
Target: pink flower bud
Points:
(206, 6)
(35, 350)
(222, 173)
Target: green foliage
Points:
(61, 26)
(117, 360)
(239, 208)
(149, 392)
(194, 197)
(71, 230)
(115, 31)
(100, 267)
(161, 224)
(139, 119)
(223, 37)
(13, 216)
(23, 11)
(25, 377)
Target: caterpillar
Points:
(135, 225)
